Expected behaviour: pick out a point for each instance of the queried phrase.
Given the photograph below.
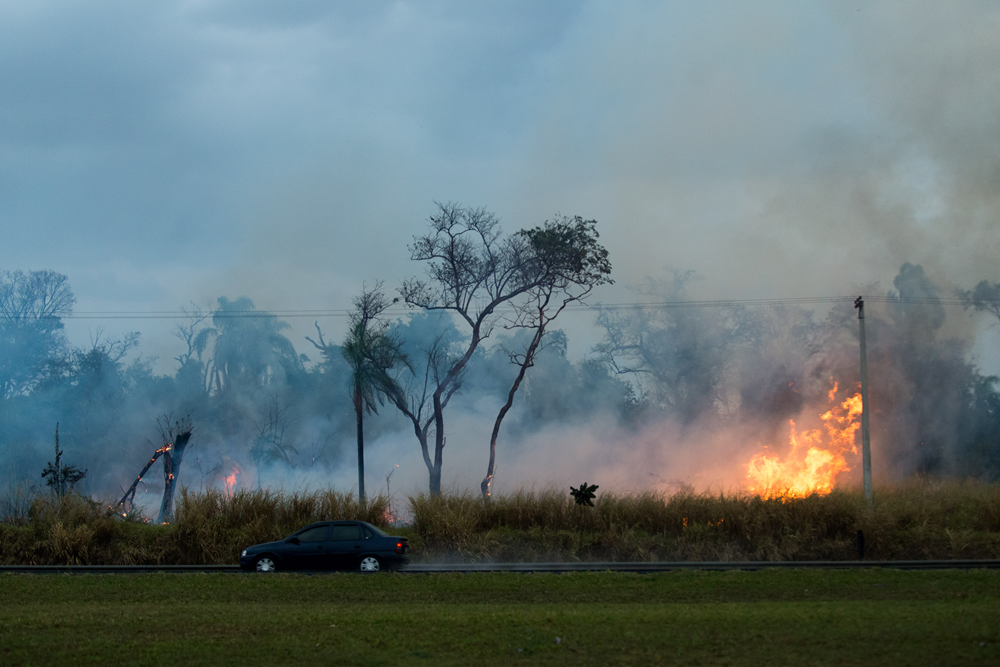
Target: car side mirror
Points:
(293, 540)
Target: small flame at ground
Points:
(230, 481)
(815, 458)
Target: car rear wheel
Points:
(370, 564)
(265, 564)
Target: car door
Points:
(312, 550)
(345, 545)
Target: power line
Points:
(638, 305)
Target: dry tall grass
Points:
(208, 529)
(917, 520)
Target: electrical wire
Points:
(638, 305)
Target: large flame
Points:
(814, 459)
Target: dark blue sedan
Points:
(330, 545)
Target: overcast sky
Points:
(160, 153)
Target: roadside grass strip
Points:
(797, 617)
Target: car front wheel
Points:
(370, 564)
(265, 564)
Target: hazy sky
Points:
(166, 152)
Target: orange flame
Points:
(230, 481)
(813, 461)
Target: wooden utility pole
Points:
(866, 449)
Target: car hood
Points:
(266, 546)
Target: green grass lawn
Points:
(799, 617)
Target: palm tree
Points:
(372, 350)
(249, 346)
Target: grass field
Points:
(796, 617)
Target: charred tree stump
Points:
(175, 441)
(172, 456)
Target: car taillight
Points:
(401, 547)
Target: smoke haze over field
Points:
(169, 153)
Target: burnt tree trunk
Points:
(131, 490)
(173, 454)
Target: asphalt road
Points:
(430, 568)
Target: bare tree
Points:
(31, 305)
(678, 356)
(319, 445)
(415, 397)
(111, 350)
(37, 295)
(193, 373)
(473, 270)
(270, 443)
(574, 263)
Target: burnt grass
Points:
(913, 521)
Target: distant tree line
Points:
(481, 327)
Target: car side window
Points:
(367, 533)
(346, 533)
(317, 534)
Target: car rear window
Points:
(378, 531)
(351, 532)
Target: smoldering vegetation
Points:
(915, 520)
(918, 519)
(675, 397)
